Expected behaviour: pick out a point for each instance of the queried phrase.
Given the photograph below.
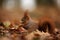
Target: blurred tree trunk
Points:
(45, 2)
(1, 3)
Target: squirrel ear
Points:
(26, 16)
(26, 13)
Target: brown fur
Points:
(45, 23)
(25, 18)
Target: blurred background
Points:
(14, 9)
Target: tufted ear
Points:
(26, 16)
(26, 13)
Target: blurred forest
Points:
(43, 8)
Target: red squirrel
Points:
(43, 24)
